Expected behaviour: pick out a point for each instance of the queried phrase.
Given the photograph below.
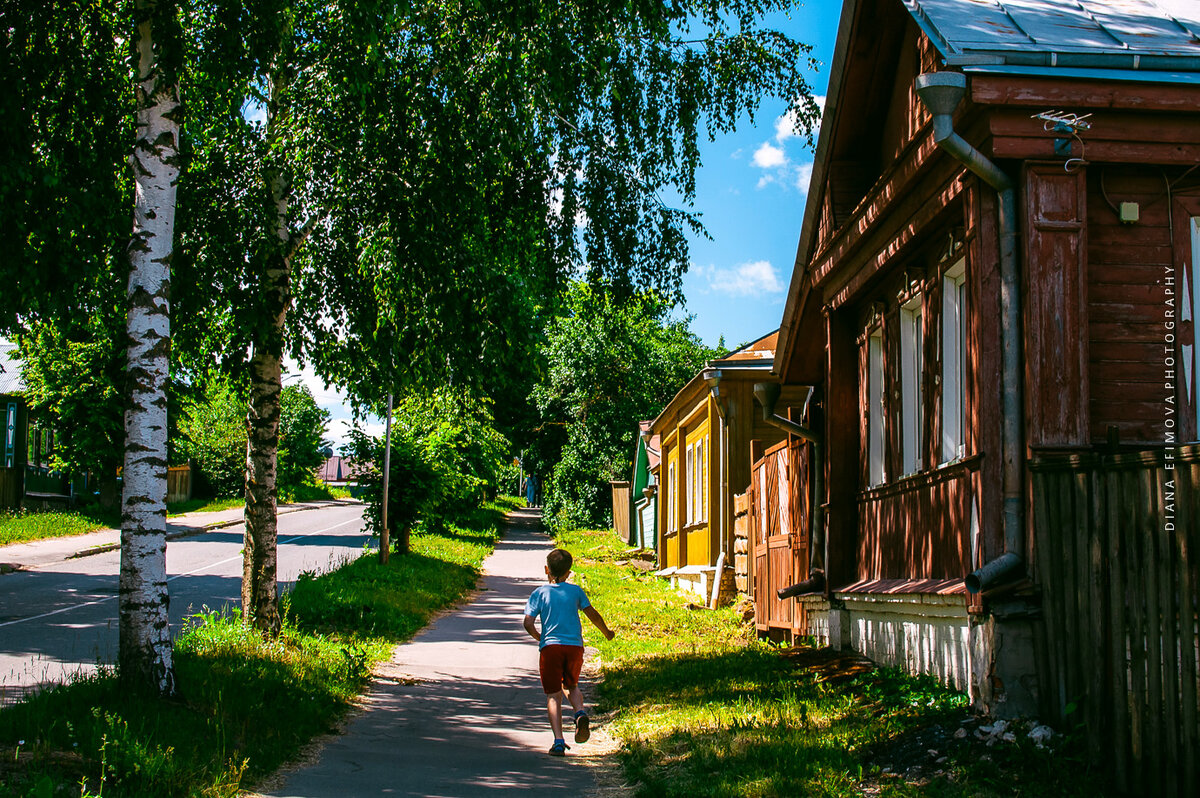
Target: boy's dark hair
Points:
(559, 562)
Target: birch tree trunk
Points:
(260, 587)
(144, 653)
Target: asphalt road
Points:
(62, 618)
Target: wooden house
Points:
(993, 302)
(706, 432)
(16, 423)
(643, 510)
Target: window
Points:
(875, 471)
(696, 481)
(672, 496)
(691, 484)
(954, 362)
(911, 340)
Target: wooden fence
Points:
(779, 521)
(179, 483)
(1117, 552)
(10, 487)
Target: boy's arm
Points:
(594, 616)
(531, 627)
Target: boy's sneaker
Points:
(558, 749)
(582, 730)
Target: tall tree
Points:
(609, 364)
(447, 164)
(144, 655)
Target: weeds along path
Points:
(459, 710)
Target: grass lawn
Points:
(245, 705)
(21, 527)
(702, 708)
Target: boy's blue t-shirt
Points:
(557, 607)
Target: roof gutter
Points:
(941, 93)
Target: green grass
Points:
(246, 705)
(22, 526)
(703, 708)
(203, 506)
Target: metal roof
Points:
(1127, 34)
(10, 369)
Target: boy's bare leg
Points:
(576, 698)
(554, 708)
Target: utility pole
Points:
(385, 543)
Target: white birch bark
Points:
(144, 655)
(260, 587)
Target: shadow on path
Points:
(459, 710)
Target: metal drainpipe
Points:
(941, 93)
(767, 394)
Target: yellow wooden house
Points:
(707, 432)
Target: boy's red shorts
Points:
(559, 667)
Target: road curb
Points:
(200, 530)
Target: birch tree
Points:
(144, 655)
(428, 174)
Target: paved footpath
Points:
(459, 711)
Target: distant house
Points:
(706, 432)
(994, 303)
(337, 471)
(25, 476)
(16, 424)
(643, 511)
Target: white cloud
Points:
(769, 157)
(803, 177)
(747, 279)
(786, 126)
(764, 181)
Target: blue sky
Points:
(751, 191)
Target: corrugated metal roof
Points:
(10, 369)
(1009, 31)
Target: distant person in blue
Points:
(556, 607)
(531, 491)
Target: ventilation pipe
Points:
(941, 93)
(767, 394)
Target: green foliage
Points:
(252, 703)
(73, 373)
(447, 460)
(65, 184)
(611, 364)
(302, 429)
(213, 436)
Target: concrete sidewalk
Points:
(459, 711)
(39, 553)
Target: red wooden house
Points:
(993, 300)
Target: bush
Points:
(213, 437)
(447, 459)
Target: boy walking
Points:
(556, 606)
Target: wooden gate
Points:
(780, 519)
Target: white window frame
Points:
(876, 472)
(954, 361)
(672, 495)
(911, 365)
(703, 448)
(689, 484)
